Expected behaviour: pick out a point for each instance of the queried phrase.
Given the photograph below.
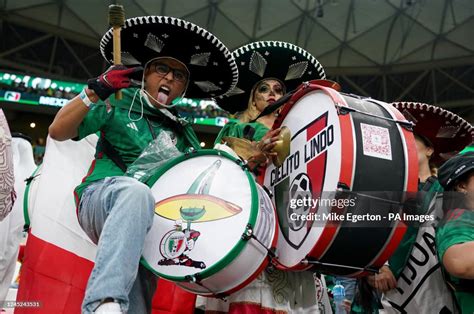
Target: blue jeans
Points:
(116, 213)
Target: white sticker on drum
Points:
(376, 141)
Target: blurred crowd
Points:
(186, 111)
(50, 92)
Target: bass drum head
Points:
(204, 202)
(313, 167)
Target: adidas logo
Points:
(132, 126)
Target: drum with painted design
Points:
(213, 225)
(340, 143)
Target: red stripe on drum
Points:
(389, 248)
(314, 167)
(412, 161)
(346, 175)
(411, 155)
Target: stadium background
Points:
(391, 50)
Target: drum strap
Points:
(273, 107)
(429, 182)
(249, 132)
(112, 153)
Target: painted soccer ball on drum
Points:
(300, 189)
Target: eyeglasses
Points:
(163, 69)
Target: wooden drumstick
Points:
(116, 21)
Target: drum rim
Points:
(26, 196)
(241, 243)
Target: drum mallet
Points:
(116, 21)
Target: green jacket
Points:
(235, 129)
(457, 228)
(129, 126)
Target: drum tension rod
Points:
(345, 110)
(243, 164)
(248, 234)
(195, 279)
(190, 151)
(318, 263)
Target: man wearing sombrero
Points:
(170, 57)
(267, 69)
(439, 134)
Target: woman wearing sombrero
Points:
(439, 134)
(267, 70)
(171, 57)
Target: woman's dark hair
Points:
(427, 143)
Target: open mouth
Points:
(163, 95)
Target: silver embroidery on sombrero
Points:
(128, 59)
(409, 116)
(264, 44)
(448, 131)
(201, 59)
(207, 86)
(258, 64)
(454, 126)
(235, 91)
(154, 42)
(137, 22)
(296, 70)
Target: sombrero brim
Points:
(212, 68)
(286, 62)
(448, 132)
(213, 208)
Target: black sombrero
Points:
(212, 68)
(269, 59)
(447, 132)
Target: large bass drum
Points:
(213, 225)
(349, 156)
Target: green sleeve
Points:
(191, 136)
(260, 131)
(237, 130)
(94, 120)
(469, 148)
(230, 129)
(457, 230)
(399, 258)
